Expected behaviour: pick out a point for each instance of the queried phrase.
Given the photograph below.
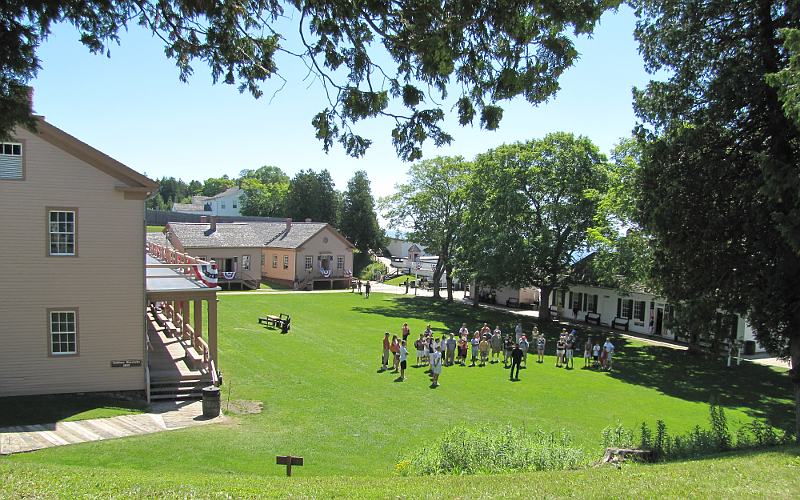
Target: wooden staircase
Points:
(184, 388)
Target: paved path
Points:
(164, 416)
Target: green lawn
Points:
(325, 400)
(400, 280)
(155, 229)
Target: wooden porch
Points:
(181, 361)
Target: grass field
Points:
(771, 474)
(325, 400)
(155, 229)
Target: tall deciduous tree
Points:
(264, 191)
(359, 223)
(495, 50)
(720, 175)
(431, 204)
(216, 185)
(312, 196)
(623, 256)
(531, 205)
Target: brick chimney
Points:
(203, 219)
(213, 221)
(288, 224)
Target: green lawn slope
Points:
(325, 400)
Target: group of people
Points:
(367, 287)
(486, 346)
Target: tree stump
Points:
(619, 455)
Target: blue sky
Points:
(133, 107)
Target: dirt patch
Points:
(243, 407)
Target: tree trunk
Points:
(437, 278)
(449, 279)
(544, 302)
(474, 293)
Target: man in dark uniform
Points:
(516, 359)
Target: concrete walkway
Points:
(164, 416)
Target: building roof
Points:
(247, 234)
(187, 207)
(133, 180)
(165, 280)
(226, 193)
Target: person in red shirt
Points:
(386, 345)
(395, 348)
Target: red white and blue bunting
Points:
(207, 274)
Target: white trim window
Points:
(274, 261)
(246, 262)
(638, 310)
(61, 232)
(63, 333)
(340, 262)
(627, 305)
(11, 161)
(309, 263)
(286, 262)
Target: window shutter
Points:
(619, 307)
(10, 167)
(585, 299)
(570, 300)
(630, 308)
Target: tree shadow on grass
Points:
(760, 390)
(48, 409)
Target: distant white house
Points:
(638, 311)
(227, 202)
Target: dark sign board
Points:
(126, 363)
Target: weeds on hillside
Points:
(698, 441)
(490, 450)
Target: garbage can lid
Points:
(211, 389)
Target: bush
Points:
(617, 437)
(490, 450)
(372, 271)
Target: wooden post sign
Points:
(288, 461)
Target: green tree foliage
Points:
(622, 248)
(431, 204)
(359, 224)
(216, 185)
(720, 190)
(264, 192)
(531, 207)
(312, 196)
(374, 59)
(787, 80)
(170, 190)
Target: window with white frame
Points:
(11, 161)
(274, 261)
(263, 260)
(577, 300)
(246, 262)
(61, 232)
(223, 205)
(286, 262)
(591, 303)
(309, 263)
(627, 306)
(340, 262)
(63, 333)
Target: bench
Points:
(592, 317)
(281, 321)
(620, 322)
(512, 302)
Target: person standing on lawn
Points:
(569, 352)
(508, 346)
(419, 344)
(587, 352)
(486, 329)
(608, 349)
(596, 353)
(462, 350)
(561, 346)
(367, 288)
(359, 286)
(395, 348)
(406, 283)
(451, 349)
(517, 332)
(436, 366)
(483, 347)
(386, 346)
(463, 331)
(403, 360)
(516, 359)
(524, 345)
(475, 343)
(406, 331)
(540, 344)
(497, 346)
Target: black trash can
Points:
(211, 401)
(749, 347)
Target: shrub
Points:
(617, 436)
(490, 450)
(372, 271)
